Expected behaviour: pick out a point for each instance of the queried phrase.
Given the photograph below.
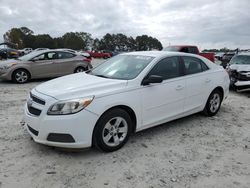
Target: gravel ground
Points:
(195, 151)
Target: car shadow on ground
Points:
(136, 139)
(243, 93)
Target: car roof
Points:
(243, 53)
(159, 54)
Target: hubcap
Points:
(80, 70)
(21, 76)
(115, 131)
(214, 102)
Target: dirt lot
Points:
(195, 151)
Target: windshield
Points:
(123, 67)
(171, 49)
(30, 56)
(241, 59)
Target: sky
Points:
(205, 23)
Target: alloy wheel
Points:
(115, 131)
(21, 76)
(80, 69)
(214, 102)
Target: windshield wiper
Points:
(100, 75)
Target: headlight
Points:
(8, 66)
(70, 106)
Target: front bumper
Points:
(5, 75)
(239, 81)
(67, 131)
(242, 85)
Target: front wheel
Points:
(20, 76)
(112, 130)
(213, 103)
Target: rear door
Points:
(198, 83)
(67, 62)
(44, 65)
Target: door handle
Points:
(179, 87)
(208, 80)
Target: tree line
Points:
(24, 37)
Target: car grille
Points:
(34, 111)
(37, 100)
(242, 76)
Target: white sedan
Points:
(128, 93)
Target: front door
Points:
(45, 65)
(163, 101)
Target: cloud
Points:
(209, 24)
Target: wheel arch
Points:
(220, 89)
(85, 67)
(126, 108)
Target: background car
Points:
(82, 53)
(99, 54)
(219, 55)
(239, 71)
(43, 64)
(190, 49)
(226, 58)
(38, 49)
(9, 53)
(25, 51)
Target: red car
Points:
(99, 54)
(190, 49)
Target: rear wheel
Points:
(213, 103)
(112, 130)
(80, 69)
(20, 76)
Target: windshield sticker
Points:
(143, 57)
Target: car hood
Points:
(240, 67)
(80, 85)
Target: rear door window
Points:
(193, 65)
(65, 55)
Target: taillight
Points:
(87, 60)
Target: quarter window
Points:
(167, 68)
(193, 65)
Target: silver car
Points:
(43, 64)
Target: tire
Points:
(20, 76)
(213, 103)
(80, 69)
(112, 130)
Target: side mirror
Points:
(152, 79)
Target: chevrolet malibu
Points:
(128, 93)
